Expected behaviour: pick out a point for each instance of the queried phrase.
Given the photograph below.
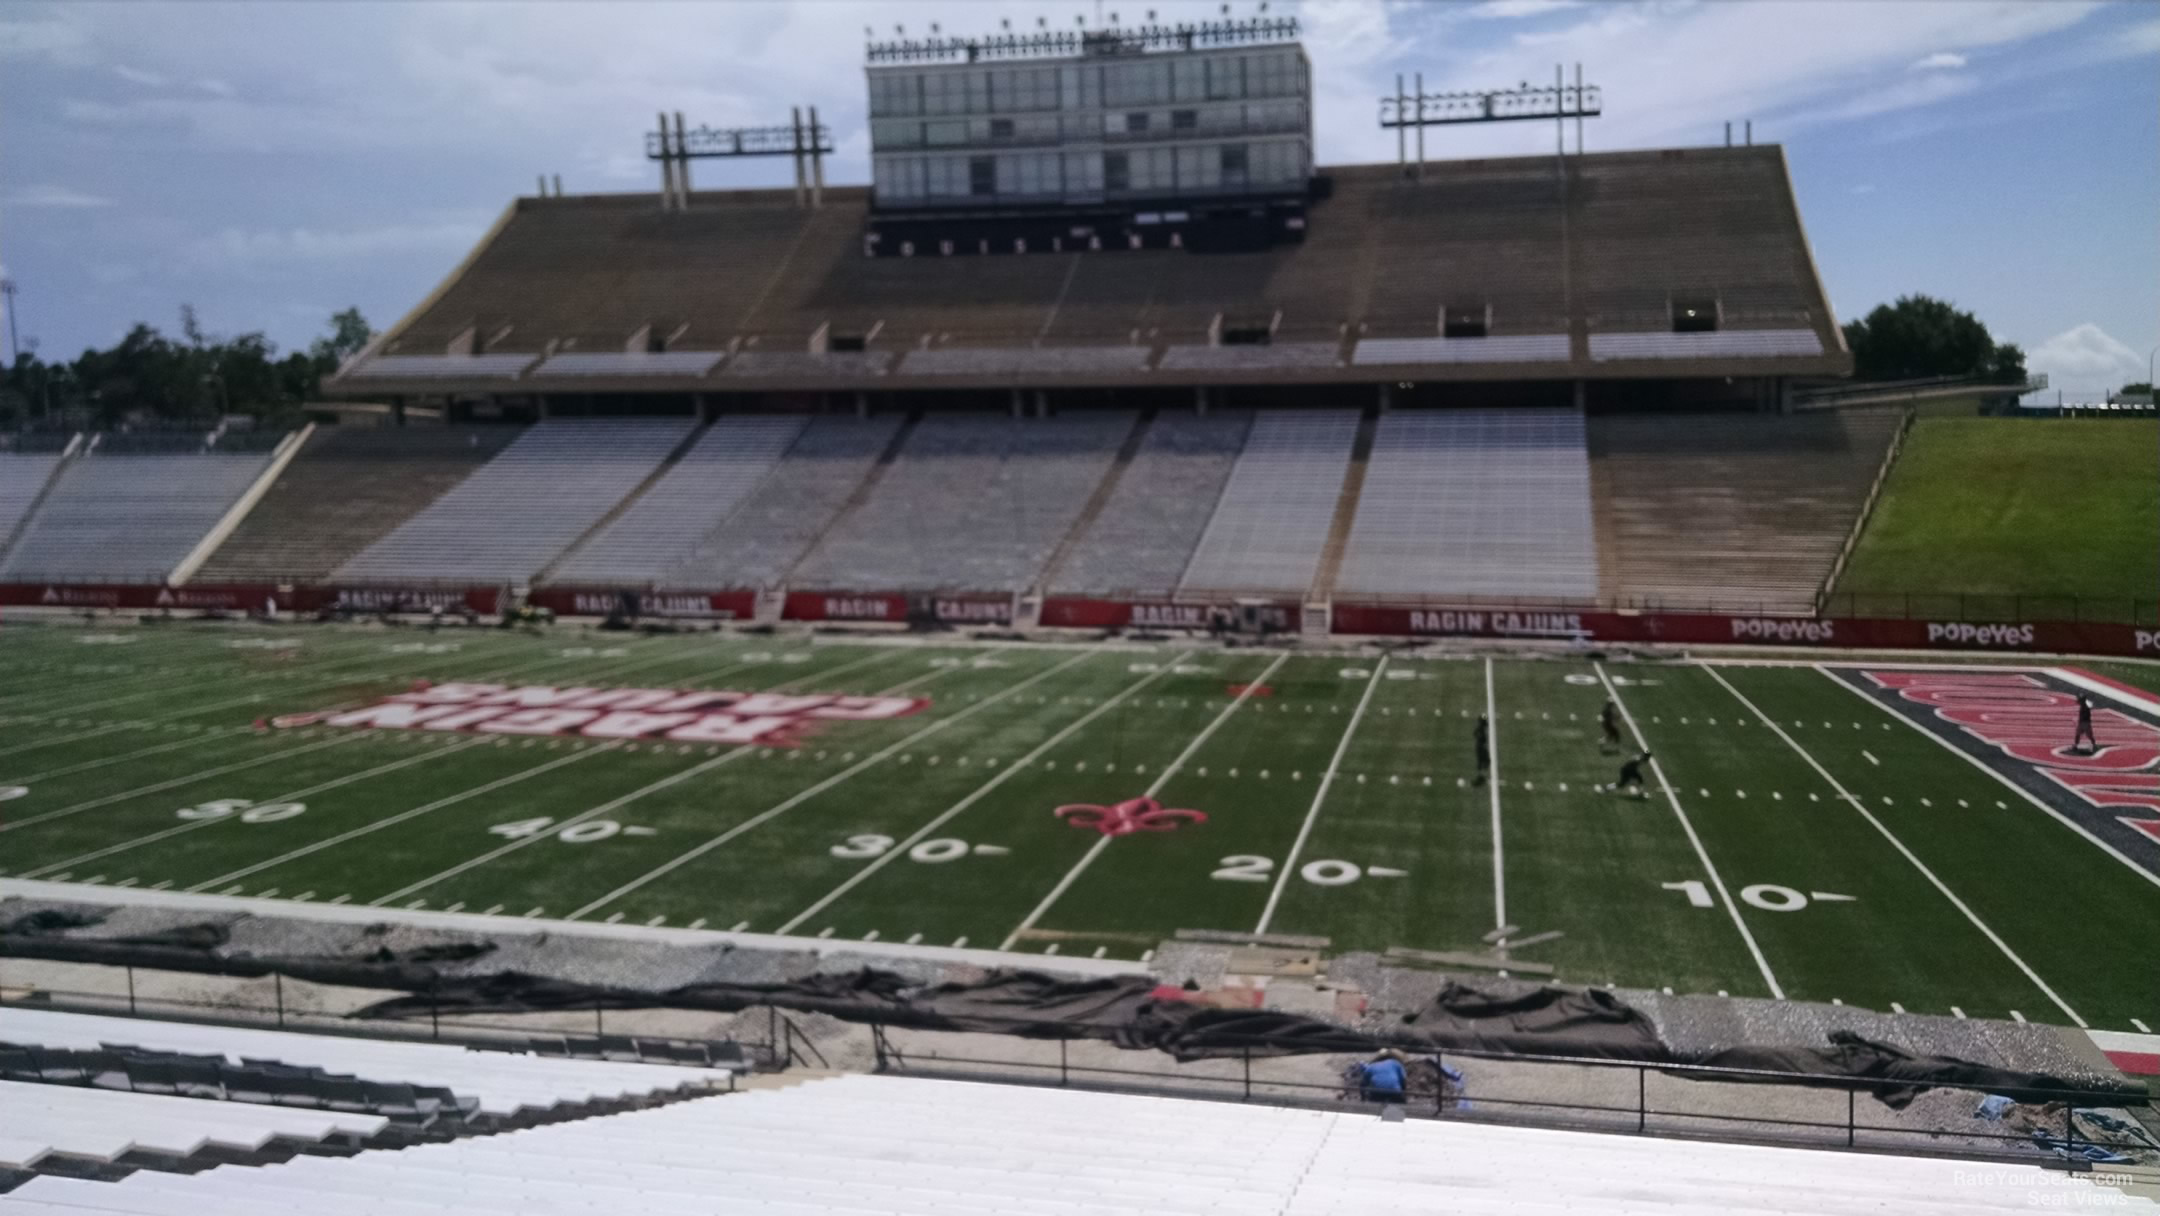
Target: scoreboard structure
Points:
(1193, 137)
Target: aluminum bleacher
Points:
(129, 515)
(1144, 536)
(1484, 503)
(22, 478)
(974, 502)
(790, 509)
(679, 511)
(515, 514)
(499, 1083)
(346, 489)
(913, 1146)
(107, 1126)
(1732, 513)
(1271, 524)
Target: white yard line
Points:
(402, 816)
(1312, 815)
(1899, 845)
(1492, 747)
(794, 800)
(193, 740)
(2004, 779)
(169, 783)
(1701, 854)
(1155, 787)
(654, 787)
(192, 825)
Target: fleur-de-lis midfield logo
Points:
(1127, 817)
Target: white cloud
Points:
(1938, 61)
(138, 76)
(54, 38)
(49, 195)
(2085, 358)
(1503, 10)
(248, 248)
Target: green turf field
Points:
(1811, 843)
(2047, 509)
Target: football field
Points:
(1881, 833)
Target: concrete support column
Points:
(862, 404)
(1019, 404)
(1042, 403)
(1199, 400)
(1582, 394)
(1387, 396)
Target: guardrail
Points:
(1478, 1102)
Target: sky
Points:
(271, 162)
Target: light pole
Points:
(7, 294)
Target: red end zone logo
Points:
(2027, 727)
(676, 715)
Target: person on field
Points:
(1483, 742)
(1609, 721)
(2085, 728)
(1631, 778)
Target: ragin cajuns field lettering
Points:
(676, 715)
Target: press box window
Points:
(1116, 171)
(982, 175)
(1463, 321)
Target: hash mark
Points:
(913, 938)
(2015, 1016)
(1896, 1008)
(125, 882)
(1052, 948)
(2142, 1027)
(456, 907)
(1147, 956)
(1871, 757)
(535, 912)
(959, 941)
(825, 932)
(231, 890)
(613, 918)
(492, 910)
(740, 926)
(871, 936)
(416, 905)
(161, 884)
(341, 899)
(1957, 1013)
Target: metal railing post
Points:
(1851, 1128)
(599, 1019)
(434, 1010)
(131, 989)
(1642, 1099)
(1248, 1072)
(277, 979)
(1064, 1078)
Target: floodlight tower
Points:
(808, 143)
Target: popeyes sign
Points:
(674, 715)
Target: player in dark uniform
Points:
(1483, 737)
(1631, 778)
(1609, 720)
(2084, 727)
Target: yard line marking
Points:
(983, 790)
(1908, 854)
(333, 783)
(792, 801)
(101, 762)
(492, 909)
(1327, 779)
(157, 786)
(653, 787)
(1701, 854)
(1957, 1013)
(739, 926)
(2142, 1027)
(341, 899)
(1871, 757)
(959, 941)
(1155, 787)
(1499, 874)
(1896, 1008)
(2015, 1016)
(2004, 779)
(401, 817)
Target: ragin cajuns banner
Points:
(2022, 724)
(675, 715)
(1702, 629)
(1069, 613)
(895, 607)
(601, 601)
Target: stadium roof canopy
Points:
(1581, 278)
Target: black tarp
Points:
(1130, 1011)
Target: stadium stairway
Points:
(26, 479)
(1106, 490)
(1274, 517)
(131, 507)
(858, 496)
(347, 488)
(1346, 507)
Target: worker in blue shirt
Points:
(1382, 1079)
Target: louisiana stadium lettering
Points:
(675, 715)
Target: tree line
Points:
(193, 379)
